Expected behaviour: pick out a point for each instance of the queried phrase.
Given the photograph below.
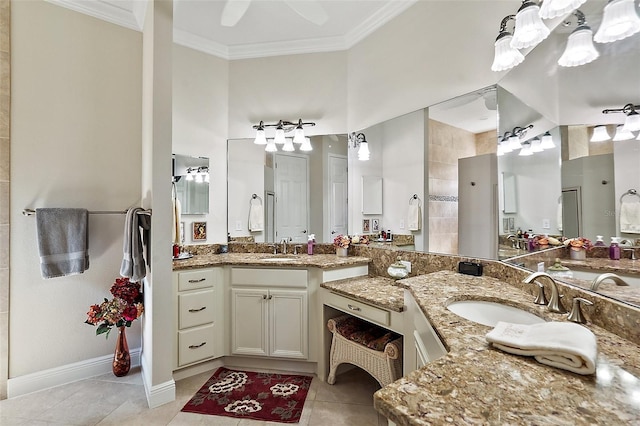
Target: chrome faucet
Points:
(284, 245)
(554, 303)
(613, 277)
(275, 248)
(633, 253)
(514, 241)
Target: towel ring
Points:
(631, 192)
(415, 197)
(255, 197)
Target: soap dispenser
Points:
(614, 249)
(599, 241)
(310, 242)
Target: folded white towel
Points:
(414, 217)
(177, 208)
(256, 217)
(63, 241)
(630, 218)
(565, 345)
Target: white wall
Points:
(76, 130)
(626, 158)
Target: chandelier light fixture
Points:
(600, 134)
(282, 127)
(359, 141)
(550, 9)
(506, 57)
(580, 49)
(529, 29)
(620, 20)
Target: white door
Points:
(337, 197)
(291, 183)
(288, 332)
(249, 320)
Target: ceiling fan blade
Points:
(311, 10)
(233, 11)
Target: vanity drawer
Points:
(359, 309)
(189, 280)
(196, 344)
(195, 308)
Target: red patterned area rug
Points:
(246, 395)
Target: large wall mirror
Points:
(287, 195)
(191, 183)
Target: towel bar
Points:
(32, 212)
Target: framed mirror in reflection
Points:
(191, 183)
(301, 192)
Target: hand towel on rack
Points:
(565, 345)
(177, 218)
(256, 217)
(133, 264)
(63, 241)
(414, 217)
(629, 217)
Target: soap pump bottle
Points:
(310, 242)
(614, 249)
(599, 241)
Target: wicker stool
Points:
(384, 365)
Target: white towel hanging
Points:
(414, 214)
(256, 214)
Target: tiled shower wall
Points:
(5, 162)
(446, 145)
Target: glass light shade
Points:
(279, 138)
(536, 145)
(622, 134)
(632, 122)
(306, 145)
(288, 145)
(506, 57)
(553, 8)
(298, 135)
(600, 134)
(206, 177)
(271, 146)
(580, 49)
(526, 150)
(514, 143)
(505, 146)
(363, 151)
(620, 21)
(547, 141)
(199, 178)
(189, 176)
(261, 138)
(529, 29)
(638, 138)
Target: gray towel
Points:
(63, 241)
(133, 266)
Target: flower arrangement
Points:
(578, 243)
(342, 241)
(125, 307)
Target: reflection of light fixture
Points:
(279, 137)
(632, 121)
(306, 145)
(547, 141)
(358, 140)
(553, 8)
(622, 134)
(281, 127)
(529, 29)
(600, 134)
(189, 176)
(506, 57)
(526, 149)
(580, 49)
(199, 174)
(619, 21)
(298, 135)
(271, 146)
(536, 145)
(288, 145)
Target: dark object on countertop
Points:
(224, 248)
(470, 268)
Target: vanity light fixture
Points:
(580, 49)
(632, 121)
(529, 29)
(526, 149)
(306, 145)
(536, 145)
(600, 134)
(359, 141)
(506, 57)
(622, 134)
(547, 141)
(199, 174)
(553, 8)
(281, 127)
(619, 21)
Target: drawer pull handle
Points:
(198, 310)
(197, 346)
(197, 281)
(353, 308)
(270, 296)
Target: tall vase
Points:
(121, 357)
(342, 252)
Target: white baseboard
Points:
(159, 394)
(64, 374)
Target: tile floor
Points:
(110, 400)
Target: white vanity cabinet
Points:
(269, 312)
(425, 345)
(200, 315)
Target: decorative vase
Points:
(121, 357)
(580, 254)
(342, 252)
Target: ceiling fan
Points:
(311, 10)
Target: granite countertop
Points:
(477, 384)
(626, 266)
(322, 261)
(628, 294)
(378, 291)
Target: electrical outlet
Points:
(406, 264)
(401, 224)
(238, 225)
(546, 224)
(540, 266)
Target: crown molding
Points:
(109, 12)
(377, 20)
(201, 44)
(292, 47)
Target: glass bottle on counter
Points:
(614, 249)
(599, 241)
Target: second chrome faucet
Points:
(554, 304)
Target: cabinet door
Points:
(249, 310)
(288, 329)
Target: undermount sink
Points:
(489, 313)
(279, 259)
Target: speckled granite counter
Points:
(627, 266)
(322, 261)
(477, 384)
(378, 291)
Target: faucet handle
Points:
(295, 248)
(576, 313)
(274, 247)
(541, 299)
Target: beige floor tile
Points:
(336, 414)
(352, 387)
(192, 419)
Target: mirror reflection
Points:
(191, 182)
